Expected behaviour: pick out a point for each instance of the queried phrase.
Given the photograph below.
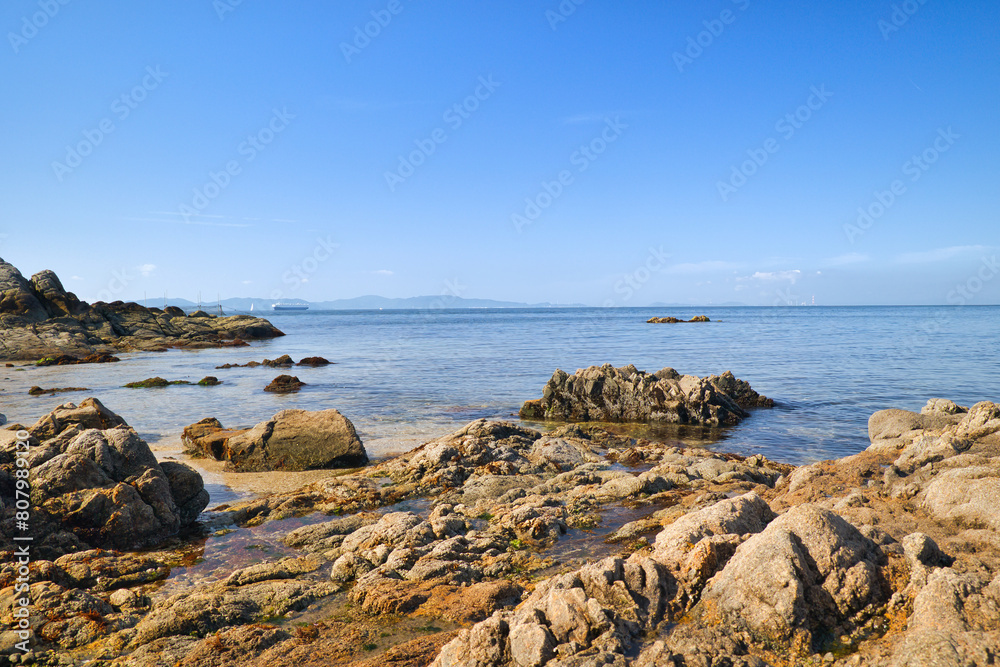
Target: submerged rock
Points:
(284, 384)
(38, 391)
(608, 394)
(675, 320)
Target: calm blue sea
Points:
(404, 377)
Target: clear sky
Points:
(598, 152)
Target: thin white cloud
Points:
(849, 258)
(774, 276)
(202, 223)
(147, 269)
(383, 272)
(200, 215)
(701, 267)
(942, 254)
(75, 278)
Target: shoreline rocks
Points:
(608, 394)
(40, 320)
(292, 440)
(504, 546)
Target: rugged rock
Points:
(674, 320)
(808, 570)
(284, 361)
(151, 383)
(314, 362)
(69, 360)
(95, 483)
(609, 394)
(38, 391)
(284, 384)
(291, 440)
(39, 319)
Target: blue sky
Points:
(599, 153)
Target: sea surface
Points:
(404, 377)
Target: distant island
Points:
(369, 302)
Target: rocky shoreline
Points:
(41, 321)
(500, 544)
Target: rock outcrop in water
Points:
(498, 545)
(676, 320)
(292, 440)
(94, 483)
(609, 394)
(39, 319)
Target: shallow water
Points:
(404, 377)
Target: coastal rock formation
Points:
(40, 319)
(501, 545)
(291, 440)
(95, 483)
(284, 361)
(158, 382)
(38, 391)
(285, 384)
(314, 362)
(608, 394)
(675, 320)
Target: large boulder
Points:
(292, 440)
(608, 394)
(96, 484)
(809, 570)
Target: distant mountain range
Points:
(358, 303)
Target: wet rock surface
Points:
(608, 394)
(503, 545)
(40, 320)
(285, 384)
